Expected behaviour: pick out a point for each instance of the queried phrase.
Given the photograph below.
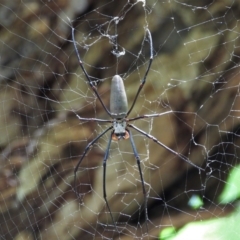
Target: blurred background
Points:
(193, 85)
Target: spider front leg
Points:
(86, 74)
(146, 73)
(141, 176)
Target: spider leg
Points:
(86, 74)
(149, 116)
(166, 147)
(104, 178)
(84, 153)
(146, 73)
(141, 176)
(93, 119)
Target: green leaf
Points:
(224, 228)
(195, 202)
(231, 191)
(166, 233)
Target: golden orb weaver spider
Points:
(120, 123)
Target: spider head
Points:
(119, 126)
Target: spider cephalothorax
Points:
(119, 131)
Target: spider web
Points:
(193, 82)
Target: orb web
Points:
(193, 81)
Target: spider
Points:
(120, 123)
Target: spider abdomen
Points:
(118, 98)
